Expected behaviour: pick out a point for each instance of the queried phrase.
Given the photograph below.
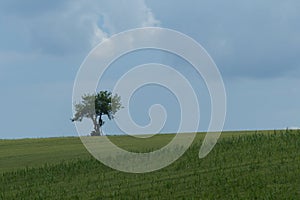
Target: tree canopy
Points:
(95, 106)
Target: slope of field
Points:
(27, 153)
(24, 153)
(255, 166)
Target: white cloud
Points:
(126, 14)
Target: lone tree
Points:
(95, 106)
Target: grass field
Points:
(243, 165)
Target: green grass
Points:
(22, 153)
(27, 153)
(241, 166)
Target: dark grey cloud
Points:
(31, 8)
(252, 39)
(68, 27)
(50, 27)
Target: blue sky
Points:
(255, 45)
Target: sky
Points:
(255, 44)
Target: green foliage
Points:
(241, 166)
(86, 108)
(94, 106)
(107, 104)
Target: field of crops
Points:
(263, 165)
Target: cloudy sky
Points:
(255, 44)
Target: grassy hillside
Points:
(241, 166)
(18, 154)
(27, 153)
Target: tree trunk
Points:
(96, 131)
(100, 124)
